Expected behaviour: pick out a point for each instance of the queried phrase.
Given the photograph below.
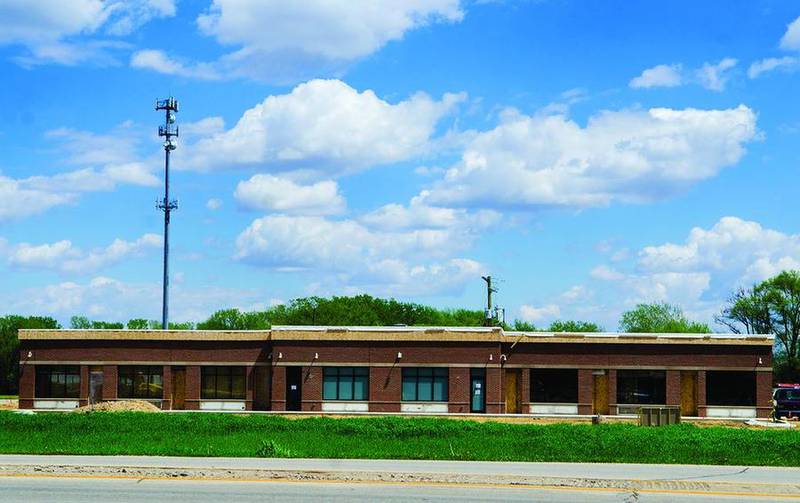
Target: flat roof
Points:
(395, 333)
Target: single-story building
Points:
(399, 369)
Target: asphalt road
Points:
(67, 490)
(619, 471)
(121, 479)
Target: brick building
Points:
(399, 369)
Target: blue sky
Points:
(590, 155)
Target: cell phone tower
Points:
(169, 131)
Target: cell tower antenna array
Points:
(169, 131)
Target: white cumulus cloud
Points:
(791, 39)
(64, 257)
(536, 314)
(325, 127)
(758, 68)
(56, 31)
(356, 257)
(714, 76)
(280, 195)
(619, 156)
(659, 76)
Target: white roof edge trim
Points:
(392, 328)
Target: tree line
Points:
(769, 307)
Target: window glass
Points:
(345, 383)
(223, 383)
(58, 381)
(554, 385)
(641, 387)
(140, 382)
(730, 388)
(425, 384)
(361, 385)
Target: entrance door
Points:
(688, 393)
(178, 388)
(600, 396)
(95, 384)
(477, 401)
(294, 389)
(512, 392)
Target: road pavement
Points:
(135, 478)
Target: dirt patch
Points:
(7, 404)
(120, 406)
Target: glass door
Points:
(477, 390)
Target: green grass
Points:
(8, 397)
(389, 438)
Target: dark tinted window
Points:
(641, 387)
(223, 383)
(554, 385)
(140, 382)
(730, 388)
(58, 381)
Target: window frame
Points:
(150, 371)
(342, 377)
(231, 373)
(71, 378)
(440, 375)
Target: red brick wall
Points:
(166, 396)
(458, 388)
(701, 393)
(193, 387)
(763, 394)
(109, 382)
(278, 395)
(312, 388)
(385, 389)
(525, 391)
(585, 391)
(495, 398)
(612, 391)
(673, 383)
(27, 383)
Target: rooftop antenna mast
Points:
(169, 131)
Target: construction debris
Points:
(120, 406)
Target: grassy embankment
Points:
(398, 438)
(8, 397)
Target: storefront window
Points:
(144, 382)
(554, 385)
(643, 387)
(345, 383)
(58, 381)
(425, 384)
(223, 383)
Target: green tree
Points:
(138, 324)
(770, 307)
(521, 326)
(574, 326)
(84, 323)
(9, 346)
(659, 318)
(233, 319)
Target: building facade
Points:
(399, 370)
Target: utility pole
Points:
(489, 321)
(170, 107)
